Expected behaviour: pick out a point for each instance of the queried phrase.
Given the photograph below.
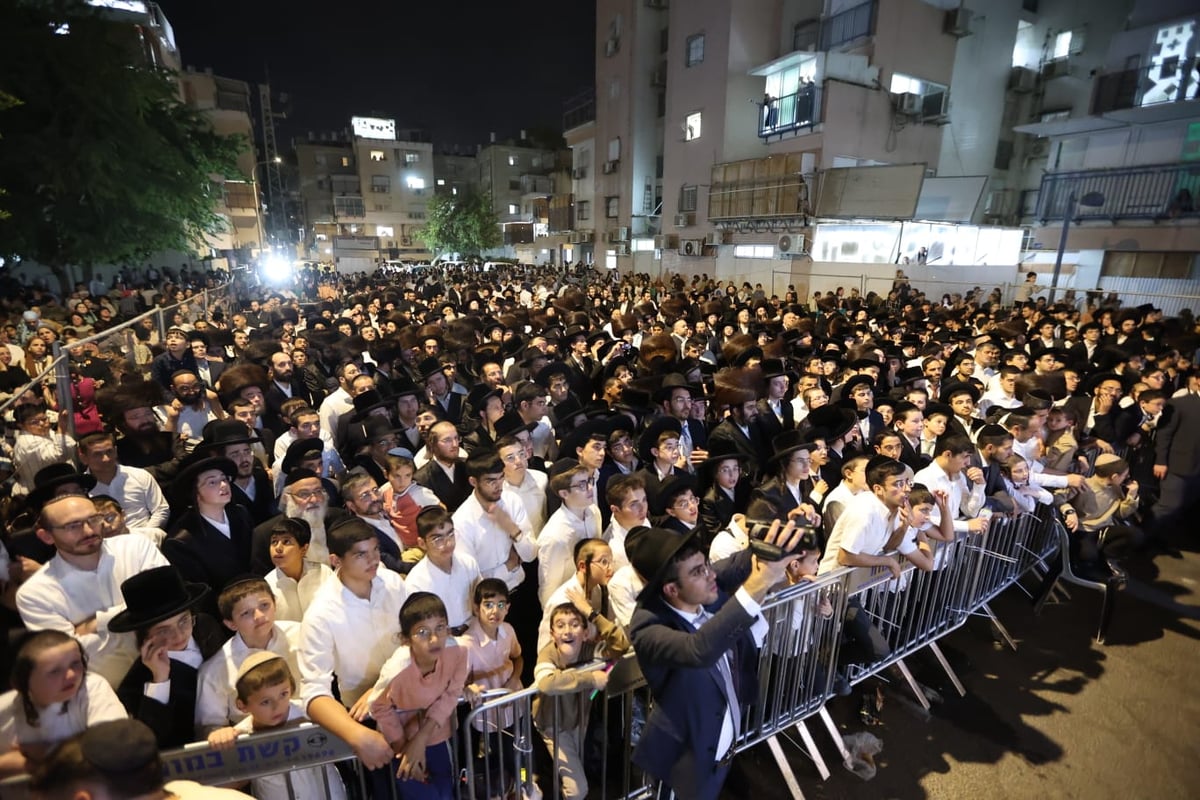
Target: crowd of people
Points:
(358, 499)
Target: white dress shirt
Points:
(32, 452)
(292, 598)
(216, 691)
(140, 497)
(337, 403)
(532, 493)
(349, 635)
(556, 546)
(95, 702)
(60, 596)
(964, 498)
(623, 591)
(455, 587)
(481, 539)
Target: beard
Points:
(315, 517)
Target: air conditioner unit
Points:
(957, 22)
(1038, 148)
(1059, 68)
(610, 167)
(579, 173)
(934, 106)
(790, 244)
(622, 249)
(684, 220)
(587, 237)
(611, 237)
(611, 47)
(666, 241)
(406, 241)
(691, 247)
(715, 238)
(622, 234)
(907, 103)
(1022, 80)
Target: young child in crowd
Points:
(265, 690)
(403, 500)
(295, 580)
(53, 698)
(556, 673)
(1025, 495)
(415, 709)
(248, 609)
(494, 664)
(586, 590)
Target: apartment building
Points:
(724, 131)
(577, 211)
(454, 172)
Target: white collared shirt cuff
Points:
(158, 691)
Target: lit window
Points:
(1062, 45)
(642, 245)
(454, 190)
(610, 259)
(411, 157)
(378, 155)
(695, 49)
(345, 161)
(753, 251)
(385, 230)
(413, 182)
(441, 181)
(513, 208)
(512, 161)
(691, 127)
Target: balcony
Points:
(759, 194)
(853, 23)
(780, 116)
(1160, 92)
(1155, 193)
(579, 110)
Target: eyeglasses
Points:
(308, 494)
(441, 539)
(214, 483)
(494, 605)
(78, 525)
(700, 570)
(182, 625)
(669, 447)
(623, 444)
(367, 494)
(684, 502)
(588, 484)
(425, 634)
(514, 457)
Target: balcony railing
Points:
(1172, 81)
(782, 115)
(1163, 192)
(851, 24)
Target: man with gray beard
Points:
(304, 497)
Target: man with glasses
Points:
(445, 474)
(305, 496)
(361, 495)
(493, 528)
(578, 518)
(79, 590)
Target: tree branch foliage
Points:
(462, 224)
(102, 161)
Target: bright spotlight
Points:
(276, 269)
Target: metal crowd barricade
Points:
(796, 668)
(1002, 550)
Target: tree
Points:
(460, 224)
(101, 162)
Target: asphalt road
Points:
(1061, 717)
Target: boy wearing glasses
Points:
(578, 518)
(444, 571)
(586, 589)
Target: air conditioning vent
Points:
(406, 241)
(587, 237)
(691, 247)
(623, 234)
(622, 249)
(907, 103)
(684, 220)
(790, 244)
(1059, 68)
(715, 238)
(610, 166)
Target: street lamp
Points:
(1091, 200)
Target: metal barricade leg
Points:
(941, 657)
(834, 733)
(814, 752)
(912, 683)
(785, 769)
(987, 610)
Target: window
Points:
(381, 207)
(664, 40)
(614, 88)
(411, 158)
(641, 245)
(687, 198)
(349, 206)
(610, 259)
(415, 183)
(378, 155)
(614, 149)
(416, 215)
(454, 190)
(441, 182)
(513, 208)
(1062, 45)
(513, 161)
(695, 50)
(345, 161)
(583, 210)
(754, 251)
(381, 184)
(1123, 264)
(385, 230)
(319, 158)
(514, 184)
(691, 127)
(612, 206)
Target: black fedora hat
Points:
(301, 450)
(835, 422)
(958, 387)
(403, 386)
(366, 402)
(564, 414)
(787, 443)
(722, 450)
(656, 428)
(370, 429)
(224, 432)
(51, 478)
(672, 382)
(511, 423)
(651, 551)
(549, 371)
(184, 485)
(479, 395)
(671, 487)
(773, 367)
(634, 400)
(429, 367)
(595, 428)
(154, 595)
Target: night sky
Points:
(457, 70)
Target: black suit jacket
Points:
(453, 407)
(173, 722)
(275, 398)
(451, 492)
(1177, 443)
(205, 555)
(679, 742)
(717, 508)
(769, 424)
(754, 446)
(699, 434)
(263, 506)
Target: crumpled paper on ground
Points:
(863, 747)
